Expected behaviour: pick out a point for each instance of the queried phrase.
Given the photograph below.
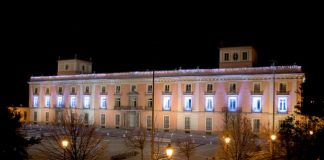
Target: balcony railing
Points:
(187, 93)
(256, 92)
(232, 92)
(166, 93)
(104, 93)
(283, 92)
(210, 93)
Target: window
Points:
(117, 120)
(86, 118)
(256, 88)
(103, 89)
(256, 125)
(86, 101)
(149, 122)
(72, 101)
(256, 103)
(133, 89)
(209, 103)
(83, 67)
(226, 57)
(47, 91)
(166, 103)
(87, 90)
(282, 104)
(117, 102)
(60, 90)
(35, 101)
(47, 101)
(117, 89)
(232, 103)
(188, 88)
(187, 123)
(188, 103)
(167, 88)
(133, 101)
(103, 120)
(59, 116)
(103, 101)
(59, 101)
(149, 88)
(25, 115)
(35, 116)
(232, 88)
(209, 88)
(209, 124)
(149, 102)
(47, 116)
(235, 56)
(73, 90)
(166, 122)
(282, 88)
(245, 56)
(66, 67)
(35, 90)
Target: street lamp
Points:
(273, 138)
(65, 143)
(169, 151)
(227, 141)
(311, 132)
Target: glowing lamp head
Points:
(273, 137)
(311, 132)
(227, 140)
(65, 143)
(169, 150)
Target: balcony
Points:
(210, 93)
(103, 93)
(256, 92)
(187, 93)
(148, 93)
(283, 92)
(72, 93)
(87, 93)
(232, 92)
(166, 93)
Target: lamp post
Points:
(169, 151)
(273, 138)
(227, 141)
(65, 143)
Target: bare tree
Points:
(84, 143)
(136, 138)
(186, 146)
(241, 142)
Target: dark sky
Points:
(164, 39)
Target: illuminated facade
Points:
(184, 99)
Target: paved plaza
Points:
(114, 139)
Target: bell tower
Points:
(237, 57)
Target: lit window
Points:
(86, 101)
(103, 102)
(256, 103)
(35, 101)
(188, 103)
(73, 101)
(47, 101)
(59, 101)
(166, 103)
(232, 103)
(209, 103)
(282, 104)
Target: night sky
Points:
(163, 40)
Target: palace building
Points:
(184, 99)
